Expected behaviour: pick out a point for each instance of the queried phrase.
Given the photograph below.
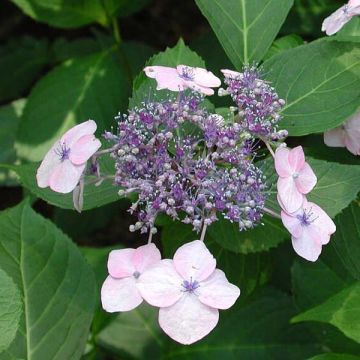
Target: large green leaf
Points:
(332, 356)
(94, 196)
(246, 271)
(10, 310)
(9, 122)
(321, 88)
(21, 61)
(284, 43)
(95, 87)
(245, 28)
(70, 13)
(144, 88)
(341, 310)
(57, 286)
(257, 331)
(336, 187)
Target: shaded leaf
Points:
(91, 87)
(331, 356)
(284, 43)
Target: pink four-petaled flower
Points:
(346, 135)
(333, 23)
(189, 291)
(65, 162)
(183, 77)
(296, 177)
(310, 228)
(126, 267)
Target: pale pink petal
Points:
(201, 89)
(83, 149)
(120, 263)
(335, 137)
(206, 78)
(65, 177)
(292, 223)
(352, 141)
(193, 261)
(335, 21)
(290, 198)
(353, 123)
(78, 131)
(217, 292)
(282, 165)
(120, 294)
(188, 320)
(48, 165)
(297, 159)
(160, 285)
(306, 180)
(166, 77)
(230, 73)
(354, 3)
(145, 256)
(322, 219)
(308, 246)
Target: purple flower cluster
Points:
(185, 162)
(258, 103)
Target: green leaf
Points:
(21, 62)
(257, 331)
(57, 286)
(246, 271)
(9, 121)
(263, 237)
(350, 32)
(67, 13)
(284, 43)
(341, 310)
(346, 240)
(94, 196)
(135, 333)
(321, 88)
(336, 187)
(335, 357)
(245, 28)
(92, 87)
(10, 310)
(144, 87)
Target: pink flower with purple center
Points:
(189, 291)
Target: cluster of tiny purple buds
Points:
(258, 104)
(187, 163)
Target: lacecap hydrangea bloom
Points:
(176, 157)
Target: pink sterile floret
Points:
(126, 267)
(346, 135)
(310, 228)
(65, 162)
(296, 177)
(189, 291)
(333, 23)
(183, 77)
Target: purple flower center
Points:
(136, 274)
(190, 286)
(306, 218)
(63, 152)
(187, 74)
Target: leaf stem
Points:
(203, 232)
(272, 213)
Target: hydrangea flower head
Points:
(333, 23)
(126, 267)
(64, 164)
(296, 177)
(310, 228)
(346, 135)
(183, 77)
(189, 291)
